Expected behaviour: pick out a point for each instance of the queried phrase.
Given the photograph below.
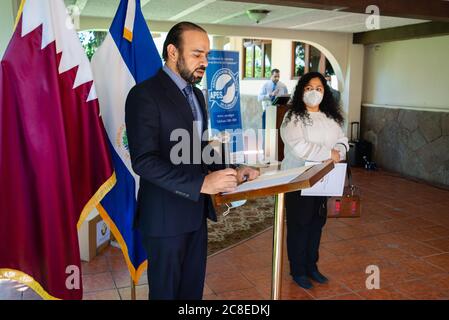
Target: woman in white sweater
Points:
(311, 131)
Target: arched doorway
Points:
(308, 57)
(321, 59)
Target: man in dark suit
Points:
(174, 197)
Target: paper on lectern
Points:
(331, 185)
(271, 179)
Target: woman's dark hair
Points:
(329, 106)
(174, 36)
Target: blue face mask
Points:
(233, 205)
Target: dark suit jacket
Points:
(169, 201)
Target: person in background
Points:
(269, 91)
(311, 131)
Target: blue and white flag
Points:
(127, 56)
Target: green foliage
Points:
(255, 58)
(299, 59)
(249, 63)
(91, 40)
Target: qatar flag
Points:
(55, 163)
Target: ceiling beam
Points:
(191, 9)
(143, 3)
(414, 31)
(98, 23)
(435, 10)
(319, 21)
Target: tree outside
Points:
(91, 41)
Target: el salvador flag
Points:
(127, 56)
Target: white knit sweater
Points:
(312, 141)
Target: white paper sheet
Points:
(270, 179)
(331, 185)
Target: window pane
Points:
(267, 60)
(314, 62)
(258, 62)
(299, 59)
(249, 62)
(257, 52)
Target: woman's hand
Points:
(335, 155)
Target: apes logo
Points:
(224, 91)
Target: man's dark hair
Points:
(174, 36)
(275, 71)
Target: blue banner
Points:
(223, 94)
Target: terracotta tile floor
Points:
(404, 231)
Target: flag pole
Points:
(133, 290)
(278, 238)
(19, 13)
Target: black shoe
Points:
(318, 277)
(303, 282)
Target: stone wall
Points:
(412, 143)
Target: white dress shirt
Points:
(267, 88)
(312, 141)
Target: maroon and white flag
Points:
(55, 163)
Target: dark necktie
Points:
(188, 92)
(274, 88)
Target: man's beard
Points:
(186, 74)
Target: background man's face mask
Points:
(233, 205)
(312, 97)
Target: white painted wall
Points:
(352, 93)
(6, 24)
(409, 73)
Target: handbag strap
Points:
(348, 168)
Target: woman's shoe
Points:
(303, 282)
(318, 277)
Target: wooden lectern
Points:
(303, 181)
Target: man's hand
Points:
(335, 155)
(274, 93)
(220, 181)
(246, 174)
